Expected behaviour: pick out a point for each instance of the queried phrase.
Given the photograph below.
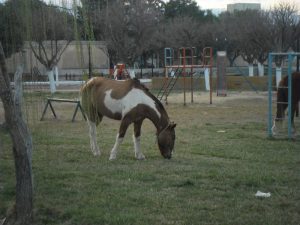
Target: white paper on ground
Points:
(263, 194)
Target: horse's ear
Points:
(172, 125)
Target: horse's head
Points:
(166, 139)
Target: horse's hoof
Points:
(140, 157)
(112, 157)
(96, 154)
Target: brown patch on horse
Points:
(282, 97)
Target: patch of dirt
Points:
(236, 107)
(204, 97)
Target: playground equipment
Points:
(182, 62)
(221, 74)
(290, 57)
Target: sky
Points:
(222, 4)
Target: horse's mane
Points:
(136, 83)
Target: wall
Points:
(75, 58)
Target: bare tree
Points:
(51, 35)
(260, 38)
(283, 22)
(247, 28)
(224, 35)
(130, 27)
(180, 32)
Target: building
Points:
(73, 61)
(243, 6)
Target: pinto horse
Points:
(128, 101)
(282, 99)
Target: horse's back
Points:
(295, 80)
(102, 97)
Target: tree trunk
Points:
(261, 69)
(55, 69)
(251, 70)
(22, 146)
(51, 80)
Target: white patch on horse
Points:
(133, 98)
(137, 148)
(114, 151)
(93, 138)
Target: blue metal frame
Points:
(168, 56)
(270, 94)
(270, 60)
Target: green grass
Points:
(211, 179)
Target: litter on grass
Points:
(262, 194)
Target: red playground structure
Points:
(183, 62)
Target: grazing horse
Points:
(282, 99)
(130, 102)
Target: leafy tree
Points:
(187, 8)
(181, 8)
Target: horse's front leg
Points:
(137, 139)
(119, 139)
(294, 112)
(93, 138)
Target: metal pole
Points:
(152, 64)
(192, 80)
(210, 74)
(290, 58)
(270, 94)
(298, 56)
(184, 74)
(142, 59)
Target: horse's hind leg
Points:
(137, 139)
(93, 138)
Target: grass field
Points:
(223, 157)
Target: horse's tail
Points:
(86, 100)
(85, 94)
